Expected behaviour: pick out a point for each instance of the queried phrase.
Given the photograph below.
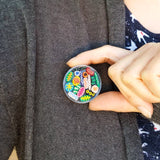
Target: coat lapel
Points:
(116, 37)
(116, 22)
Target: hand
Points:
(135, 73)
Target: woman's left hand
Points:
(135, 73)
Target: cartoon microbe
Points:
(89, 71)
(73, 96)
(85, 98)
(85, 74)
(76, 80)
(90, 93)
(81, 92)
(93, 80)
(69, 87)
(77, 73)
(89, 82)
(81, 77)
(69, 76)
(97, 79)
(95, 89)
(76, 89)
(85, 80)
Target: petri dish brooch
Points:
(82, 83)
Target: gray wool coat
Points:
(37, 37)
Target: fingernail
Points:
(145, 112)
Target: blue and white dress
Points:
(136, 36)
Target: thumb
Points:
(113, 101)
(107, 53)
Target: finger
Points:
(132, 74)
(111, 101)
(115, 72)
(105, 54)
(151, 74)
(144, 107)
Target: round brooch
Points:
(82, 83)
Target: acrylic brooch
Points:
(82, 83)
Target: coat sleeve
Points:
(12, 75)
